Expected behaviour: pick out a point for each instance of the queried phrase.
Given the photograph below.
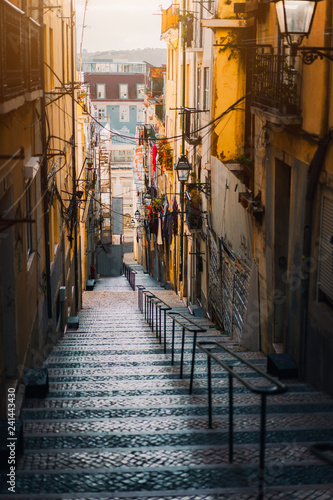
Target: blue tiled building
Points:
(117, 90)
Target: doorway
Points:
(281, 244)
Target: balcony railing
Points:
(191, 126)
(275, 84)
(19, 52)
(193, 207)
(170, 18)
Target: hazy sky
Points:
(120, 24)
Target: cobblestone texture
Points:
(119, 423)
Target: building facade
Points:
(41, 236)
(253, 246)
(117, 91)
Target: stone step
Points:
(118, 422)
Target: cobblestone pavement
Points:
(118, 422)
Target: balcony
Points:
(191, 126)
(170, 18)
(160, 112)
(275, 90)
(19, 51)
(193, 208)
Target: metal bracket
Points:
(311, 54)
(203, 187)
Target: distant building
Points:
(117, 90)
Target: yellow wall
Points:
(229, 86)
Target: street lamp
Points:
(295, 18)
(183, 168)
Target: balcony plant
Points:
(165, 157)
(193, 209)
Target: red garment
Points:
(154, 157)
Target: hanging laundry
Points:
(154, 157)
(175, 211)
(159, 231)
(169, 227)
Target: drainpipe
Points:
(44, 182)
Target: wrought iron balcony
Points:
(191, 126)
(193, 207)
(19, 52)
(275, 84)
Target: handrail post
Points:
(160, 324)
(149, 310)
(182, 353)
(231, 418)
(164, 331)
(193, 361)
(173, 341)
(145, 307)
(209, 374)
(140, 297)
(262, 447)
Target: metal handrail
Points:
(276, 388)
(147, 305)
(130, 275)
(140, 296)
(194, 329)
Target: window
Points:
(140, 118)
(119, 155)
(127, 221)
(123, 91)
(101, 112)
(140, 90)
(123, 114)
(129, 154)
(28, 209)
(199, 89)
(206, 89)
(100, 90)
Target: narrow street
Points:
(118, 422)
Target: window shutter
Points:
(326, 248)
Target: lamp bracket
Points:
(203, 187)
(311, 54)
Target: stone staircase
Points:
(119, 422)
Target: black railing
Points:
(190, 326)
(275, 84)
(194, 215)
(276, 387)
(130, 275)
(191, 123)
(152, 307)
(20, 70)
